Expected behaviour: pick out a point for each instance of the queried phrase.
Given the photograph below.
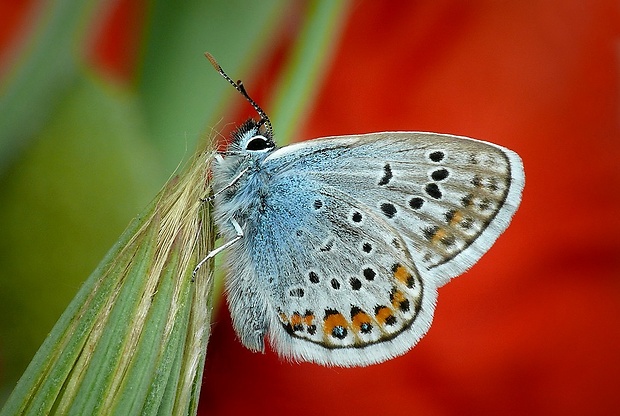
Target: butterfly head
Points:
(250, 144)
(252, 139)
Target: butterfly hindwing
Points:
(343, 287)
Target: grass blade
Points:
(133, 340)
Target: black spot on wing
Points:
(387, 175)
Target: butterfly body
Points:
(347, 239)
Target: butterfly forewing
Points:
(447, 196)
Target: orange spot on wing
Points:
(308, 318)
(296, 319)
(457, 217)
(439, 235)
(397, 298)
(359, 319)
(400, 273)
(403, 275)
(383, 314)
(333, 321)
(283, 317)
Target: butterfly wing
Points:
(345, 290)
(353, 235)
(449, 197)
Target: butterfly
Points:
(337, 246)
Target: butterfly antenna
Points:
(239, 87)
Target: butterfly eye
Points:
(258, 143)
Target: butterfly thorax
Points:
(239, 180)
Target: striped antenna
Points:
(239, 87)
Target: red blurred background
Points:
(534, 327)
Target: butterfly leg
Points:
(221, 248)
(232, 183)
(218, 159)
